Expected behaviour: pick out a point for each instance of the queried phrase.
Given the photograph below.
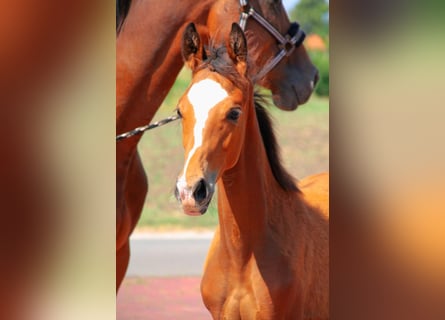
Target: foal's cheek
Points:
(226, 142)
(230, 141)
(232, 148)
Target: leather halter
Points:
(287, 43)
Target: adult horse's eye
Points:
(234, 114)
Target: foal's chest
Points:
(241, 301)
(248, 294)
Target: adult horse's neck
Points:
(149, 57)
(248, 196)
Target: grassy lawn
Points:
(303, 136)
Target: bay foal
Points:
(269, 257)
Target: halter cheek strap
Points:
(287, 43)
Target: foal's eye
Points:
(234, 114)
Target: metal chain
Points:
(142, 129)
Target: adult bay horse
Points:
(148, 59)
(269, 257)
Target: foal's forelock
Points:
(218, 61)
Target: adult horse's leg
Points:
(135, 190)
(122, 259)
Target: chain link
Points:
(142, 129)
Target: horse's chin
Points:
(195, 211)
(286, 102)
(288, 99)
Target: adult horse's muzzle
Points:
(195, 199)
(288, 95)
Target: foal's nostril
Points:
(200, 191)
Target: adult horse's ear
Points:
(191, 48)
(237, 48)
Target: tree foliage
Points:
(312, 15)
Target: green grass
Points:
(303, 136)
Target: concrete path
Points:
(171, 254)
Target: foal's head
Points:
(214, 110)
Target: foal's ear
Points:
(237, 48)
(191, 48)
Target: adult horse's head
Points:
(269, 31)
(214, 113)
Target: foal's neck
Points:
(246, 196)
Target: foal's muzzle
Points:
(195, 199)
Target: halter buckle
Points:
(288, 46)
(245, 9)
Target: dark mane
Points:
(122, 8)
(286, 181)
(217, 59)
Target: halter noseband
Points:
(287, 43)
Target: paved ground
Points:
(161, 299)
(163, 278)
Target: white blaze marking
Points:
(203, 96)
